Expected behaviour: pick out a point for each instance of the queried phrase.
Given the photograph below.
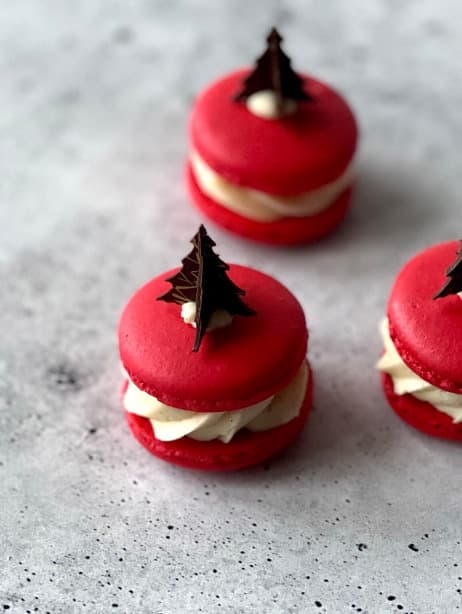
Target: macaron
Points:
(271, 154)
(214, 356)
(422, 361)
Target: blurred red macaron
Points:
(422, 362)
(271, 163)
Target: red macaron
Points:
(426, 332)
(299, 155)
(235, 367)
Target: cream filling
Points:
(261, 206)
(264, 104)
(220, 318)
(170, 423)
(406, 381)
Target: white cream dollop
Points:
(261, 206)
(405, 381)
(170, 423)
(220, 318)
(265, 104)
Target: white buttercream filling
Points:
(405, 381)
(263, 207)
(220, 318)
(170, 423)
(265, 104)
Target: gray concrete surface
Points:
(363, 514)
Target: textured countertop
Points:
(363, 514)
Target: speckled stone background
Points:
(363, 514)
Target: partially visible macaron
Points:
(214, 381)
(272, 152)
(422, 361)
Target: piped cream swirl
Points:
(405, 381)
(170, 423)
(263, 207)
(265, 104)
(220, 318)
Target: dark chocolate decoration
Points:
(273, 71)
(203, 279)
(454, 284)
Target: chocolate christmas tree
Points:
(203, 280)
(454, 284)
(273, 71)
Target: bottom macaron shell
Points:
(422, 416)
(245, 449)
(286, 231)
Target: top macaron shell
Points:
(236, 366)
(287, 156)
(427, 333)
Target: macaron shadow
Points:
(391, 203)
